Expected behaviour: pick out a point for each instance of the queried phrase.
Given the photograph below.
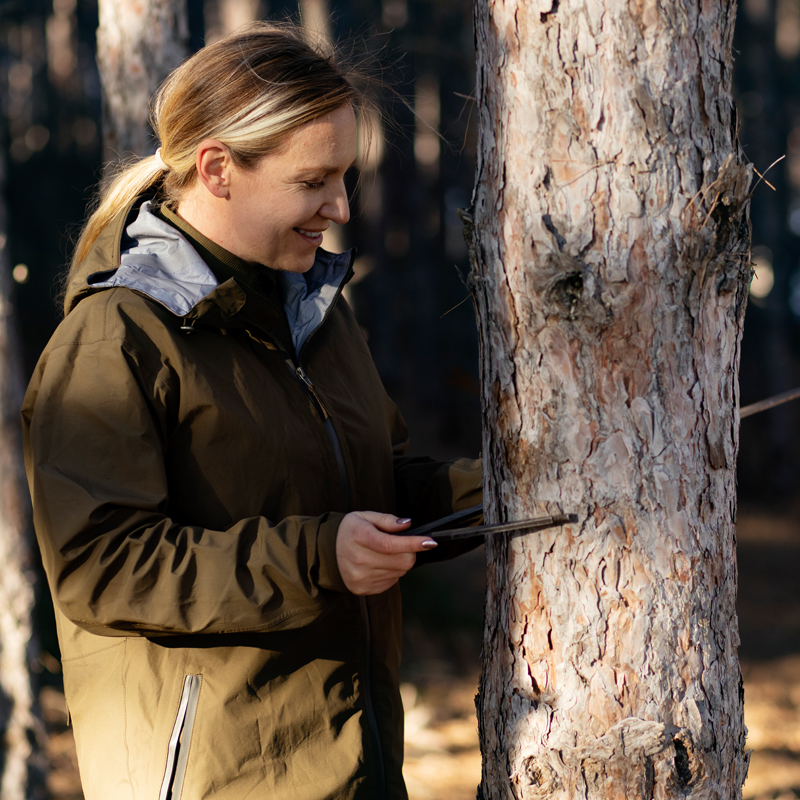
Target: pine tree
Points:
(610, 269)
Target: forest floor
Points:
(444, 609)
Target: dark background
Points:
(404, 222)
(409, 297)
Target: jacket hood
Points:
(157, 260)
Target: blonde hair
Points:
(249, 90)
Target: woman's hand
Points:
(370, 558)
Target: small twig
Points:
(762, 178)
(770, 402)
(466, 131)
(583, 174)
(455, 307)
(469, 117)
(691, 202)
(711, 210)
(458, 271)
(736, 256)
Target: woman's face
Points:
(279, 209)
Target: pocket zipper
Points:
(178, 749)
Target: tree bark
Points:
(610, 271)
(138, 45)
(22, 760)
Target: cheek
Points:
(306, 209)
(273, 220)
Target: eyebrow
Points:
(325, 168)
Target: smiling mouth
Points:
(312, 237)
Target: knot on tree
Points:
(541, 778)
(687, 766)
(571, 290)
(658, 753)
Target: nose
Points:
(336, 207)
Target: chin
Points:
(298, 265)
(298, 268)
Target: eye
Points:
(313, 184)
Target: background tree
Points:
(138, 45)
(611, 275)
(22, 762)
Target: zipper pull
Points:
(307, 381)
(303, 377)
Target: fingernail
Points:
(429, 544)
(403, 521)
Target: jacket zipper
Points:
(178, 748)
(344, 488)
(366, 637)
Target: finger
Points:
(385, 522)
(413, 544)
(368, 555)
(390, 545)
(396, 562)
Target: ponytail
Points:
(134, 180)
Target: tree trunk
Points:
(610, 271)
(138, 45)
(225, 16)
(22, 761)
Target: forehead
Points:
(329, 140)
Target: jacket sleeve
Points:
(116, 563)
(427, 489)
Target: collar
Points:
(222, 262)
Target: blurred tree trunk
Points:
(225, 16)
(610, 270)
(21, 754)
(138, 45)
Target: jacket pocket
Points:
(179, 740)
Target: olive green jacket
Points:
(188, 478)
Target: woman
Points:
(215, 467)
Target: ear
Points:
(213, 163)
